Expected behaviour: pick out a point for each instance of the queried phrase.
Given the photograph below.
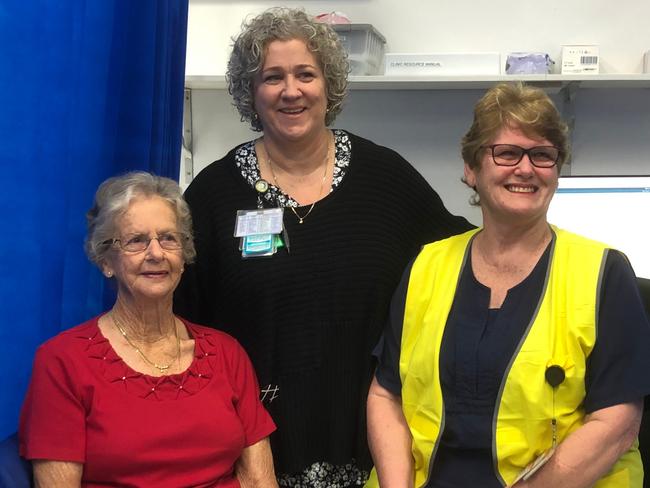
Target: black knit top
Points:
(310, 317)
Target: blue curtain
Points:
(88, 89)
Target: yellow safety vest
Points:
(562, 332)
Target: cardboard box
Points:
(444, 64)
(580, 59)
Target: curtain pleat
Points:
(88, 90)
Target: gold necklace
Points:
(301, 219)
(162, 368)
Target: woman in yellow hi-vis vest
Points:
(515, 354)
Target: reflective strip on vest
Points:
(562, 331)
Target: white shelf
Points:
(209, 82)
(216, 82)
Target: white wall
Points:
(612, 133)
(620, 28)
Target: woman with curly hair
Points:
(308, 299)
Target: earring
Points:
(255, 116)
(109, 274)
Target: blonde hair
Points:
(519, 106)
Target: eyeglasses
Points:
(169, 241)
(511, 155)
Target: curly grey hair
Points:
(249, 52)
(112, 200)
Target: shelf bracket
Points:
(187, 156)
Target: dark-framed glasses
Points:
(511, 155)
(169, 241)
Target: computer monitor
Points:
(611, 209)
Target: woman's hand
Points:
(589, 453)
(56, 474)
(389, 438)
(254, 468)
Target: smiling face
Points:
(154, 273)
(513, 194)
(290, 95)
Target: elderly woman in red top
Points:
(138, 396)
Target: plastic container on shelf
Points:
(365, 47)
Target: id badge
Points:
(258, 245)
(259, 231)
(533, 467)
(258, 222)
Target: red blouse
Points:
(84, 404)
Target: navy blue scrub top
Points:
(478, 343)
